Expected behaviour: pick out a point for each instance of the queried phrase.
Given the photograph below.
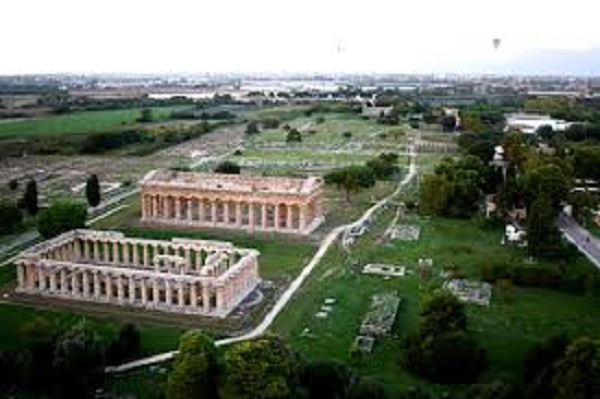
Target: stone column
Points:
(75, 291)
(264, 216)
(289, 213)
(144, 291)
(188, 259)
(109, 287)
(277, 216)
(178, 201)
(168, 292)
(115, 249)
(96, 285)
(53, 281)
(251, 216)
(302, 226)
(63, 282)
(120, 289)
(86, 283)
(189, 210)
(146, 255)
(226, 215)
(220, 298)
(86, 249)
(96, 251)
(105, 253)
(198, 260)
(206, 297)
(238, 214)
(201, 215)
(155, 291)
(131, 287)
(180, 294)
(213, 210)
(193, 295)
(135, 248)
(21, 276)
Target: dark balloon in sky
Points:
(497, 42)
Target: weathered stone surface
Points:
(182, 275)
(249, 203)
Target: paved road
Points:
(290, 291)
(581, 238)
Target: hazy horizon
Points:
(381, 36)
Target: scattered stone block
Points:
(384, 270)
(364, 344)
(321, 315)
(380, 318)
(326, 308)
(467, 291)
(329, 301)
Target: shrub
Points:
(61, 217)
(10, 218)
(228, 167)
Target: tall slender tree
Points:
(92, 190)
(30, 198)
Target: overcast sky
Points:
(285, 35)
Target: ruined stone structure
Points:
(183, 276)
(248, 203)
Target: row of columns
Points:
(184, 295)
(255, 216)
(145, 254)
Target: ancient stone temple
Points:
(182, 275)
(248, 203)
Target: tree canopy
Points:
(194, 373)
(92, 190)
(61, 217)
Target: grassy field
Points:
(331, 131)
(79, 122)
(511, 325)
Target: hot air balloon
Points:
(497, 43)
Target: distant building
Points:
(530, 123)
(373, 111)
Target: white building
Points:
(530, 123)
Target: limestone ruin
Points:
(182, 275)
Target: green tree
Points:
(442, 312)
(543, 237)
(367, 389)
(448, 123)
(146, 115)
(61, 217)
(78, 362)
(11, 218)
(228, 167)
(263, 368)
(127, 344)
(294, 136)
(194, 373)
(252, 128)
(546, 180)
(351, 179)
(539, 367)
(13, 184)
(92, 190)
(325, 379)
(577, 374)
(434, 193)
(30, 198)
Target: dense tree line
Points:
(142, 140)
(63, 364)
(356, 177)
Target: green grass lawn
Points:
(79, 122)
(507, 329)
(331, 131)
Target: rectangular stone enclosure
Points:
(249, 203)
(182, 276)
